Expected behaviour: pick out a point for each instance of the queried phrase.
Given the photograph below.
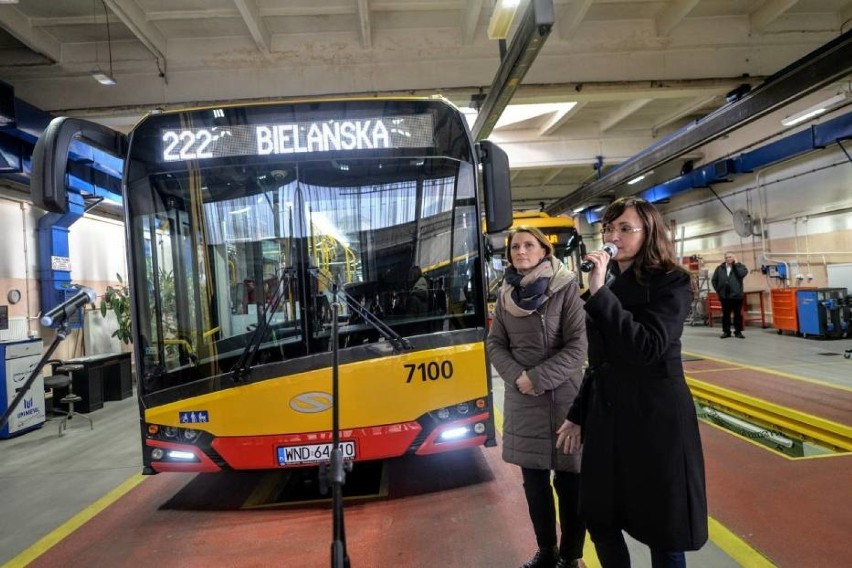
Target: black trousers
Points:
(542, 508)
(734, 306)
(612, 551)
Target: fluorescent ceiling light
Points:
(637, 179)
(502, 18)
(8, 1)
(102, 77)
(514, 114)
(815, 110)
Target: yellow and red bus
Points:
(246, 223)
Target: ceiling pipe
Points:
(816, 70)
(532, 32)
(816, 137)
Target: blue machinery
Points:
(823, 312)
(816, 137)
(95, 176)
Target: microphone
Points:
(609, 248)
(63, 311)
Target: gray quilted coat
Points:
(550, 344)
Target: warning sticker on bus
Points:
(312, 453)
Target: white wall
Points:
(97, 251)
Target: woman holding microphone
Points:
(643, 467)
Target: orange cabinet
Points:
(784, 311)
(753, 298)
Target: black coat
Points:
(730, 287)
(643, 467)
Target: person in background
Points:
(537, 343)
(418, 291)
(728, 283)
(643, 466)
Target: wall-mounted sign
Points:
(60, 263)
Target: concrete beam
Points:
(132, 16)
(623, 113)
(559, 118)
(21, 28)
(768, 12)
(470, 20)
(254, 22)
(551, 175)
(212, 14)
(568, 22)
(671, 15)
(364, 20)
(683, 110)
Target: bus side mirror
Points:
(50, 157)
(498, 189)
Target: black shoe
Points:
(739, 334)
(725, 336)
(544, 558)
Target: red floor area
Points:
(468, 510)
(463, 509)
(818, 399)
(795, 512)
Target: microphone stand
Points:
(335, 470)
(61, 333)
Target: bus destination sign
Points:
(412, 131)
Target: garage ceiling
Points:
(613, 77)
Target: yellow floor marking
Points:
(728, 542)
(55, 536)
(735, 547)
(770, 371)
(825, 432)
(695, 372)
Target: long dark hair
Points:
(657, 252)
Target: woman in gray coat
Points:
(538, 345)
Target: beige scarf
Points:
(543, 270)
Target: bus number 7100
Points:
(431, 371)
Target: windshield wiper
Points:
(244, 363)
(398, 342)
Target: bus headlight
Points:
(453, 433)
(443, 413)
(181, 456)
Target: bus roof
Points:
(541, 220)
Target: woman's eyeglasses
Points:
(623, 229)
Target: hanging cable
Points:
(109, 38)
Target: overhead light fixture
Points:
(533, 30)
(99, 74)
(815, 110)
(637, 179)
(102, 77)
(8, 1)
(502, 18)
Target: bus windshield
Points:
(259, 229)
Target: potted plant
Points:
(117, 299)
